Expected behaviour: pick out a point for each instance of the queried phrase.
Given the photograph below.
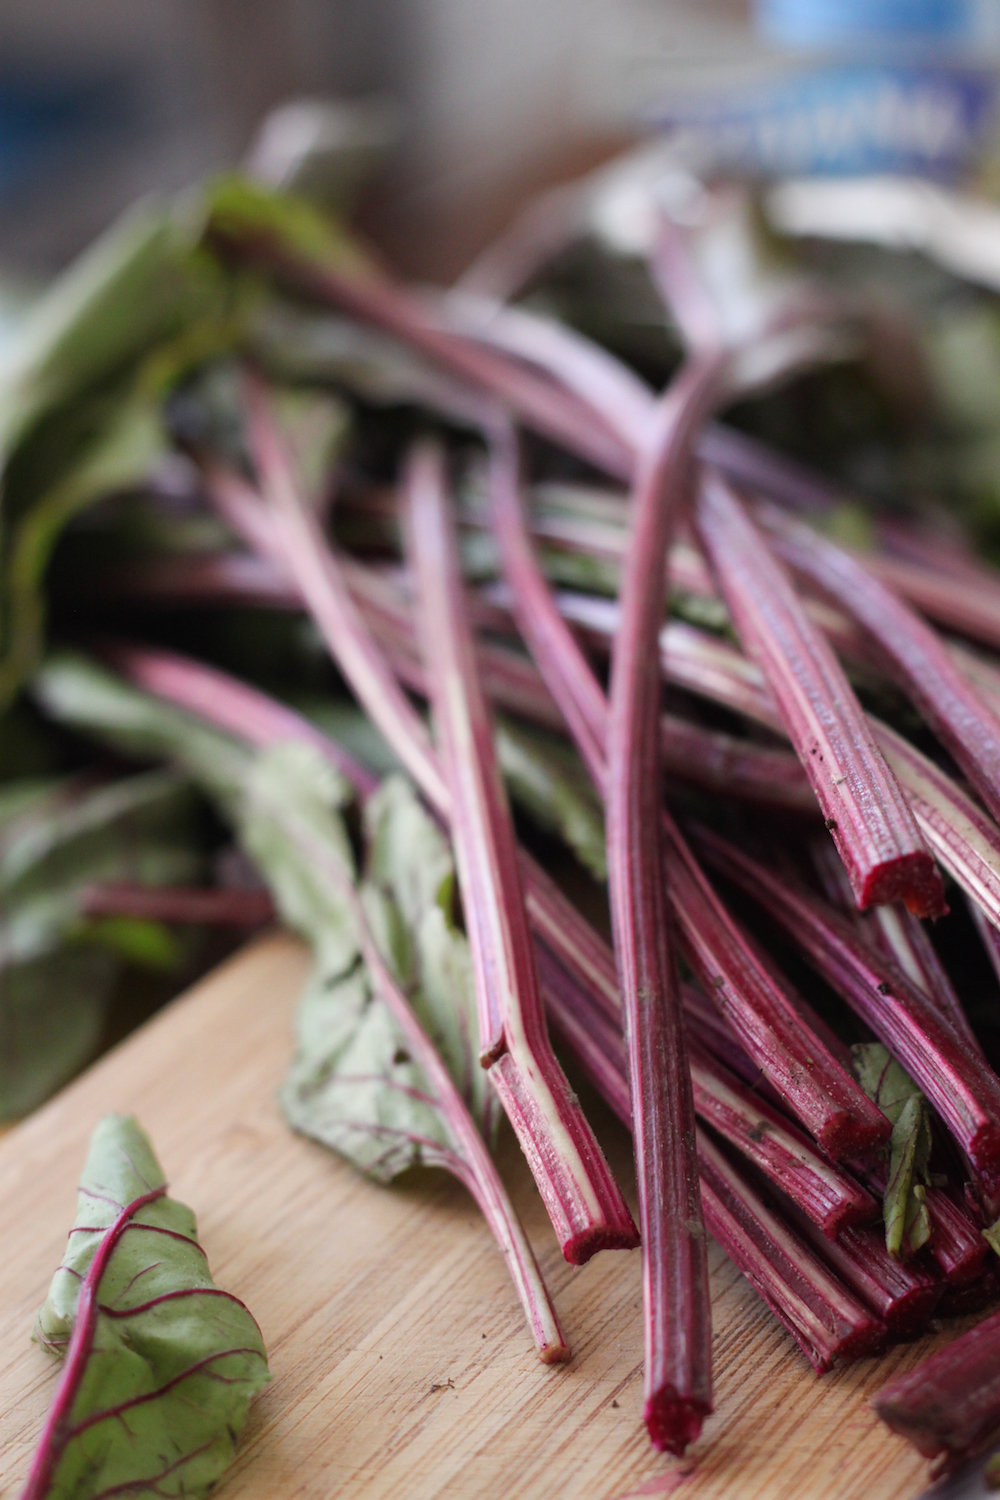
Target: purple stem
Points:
(919, 661)
(900, 937)
(826, 1320)
(227, 703)
(965, 1094)
(213, 906)
(374, 298)
(709, 758)
(678, 1316)
(820, 1091)
(764, 1017)
(961, 835)
(900, 1294)
(812, 1303)
(865, 810)
(989, 936)
(677, 1313)
(220, 700)
(589, 1017)
(473, 1163)
(949, 1406)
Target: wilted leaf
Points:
(907, 1226)
(156, 1383)
(352, 1083)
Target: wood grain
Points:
(400, 1363)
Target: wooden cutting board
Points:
(401, 1366)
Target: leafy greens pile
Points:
(262, 504)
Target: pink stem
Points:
(584, 1204)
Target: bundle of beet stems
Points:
(768, 837)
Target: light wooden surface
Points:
(401, 1367)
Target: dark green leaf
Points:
(53, 1009)
(139, 283)
(138, 828)
(58, 971)
(119, 455)
(549, 782)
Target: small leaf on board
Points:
(159, 1364)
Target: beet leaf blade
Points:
(159, 1364)
(58, 969)
(353, 1083)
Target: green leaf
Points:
(139, 828)
(541, 774)
(907, 1225)
(78, 692)
(314, 427)
(991, 1234)
(57, 971)
(289, 804)
(81, 391)
(137, 940)
(410, 868)
(53, 1010)
(139, 283)
(549, 782)
(352, 1083)
(120, 454)
(351, 727)
(319, 348)
(156, 1386)
(290, 792)
(240, 212)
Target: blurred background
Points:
(103, 101)
(482, 99)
